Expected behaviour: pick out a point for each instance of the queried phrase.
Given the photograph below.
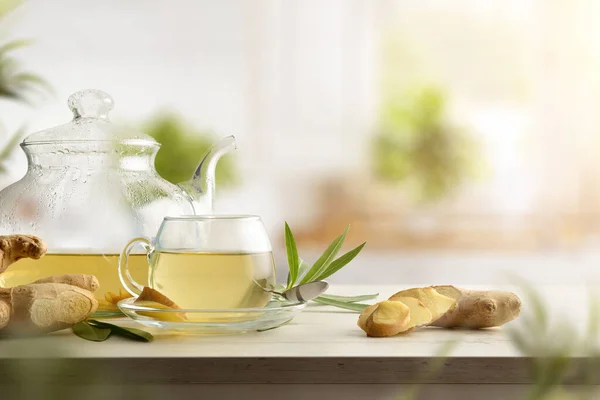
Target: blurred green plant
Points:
(416, 146)
(16, 84)
(557, 351)
(182, 146)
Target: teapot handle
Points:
(133, 287)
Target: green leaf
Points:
(292, 255)
(181, 145)
(328, 256)
(338, 264)
(303, 269)
(593, 328)
(358, 307)
(14, 45)
(89, 332)
(7, 6)
(131, 333)
(108, 314)
(350, 299)
(275, 327)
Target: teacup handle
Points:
(126, 280)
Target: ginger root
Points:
(388, 318)
(154, 299)
(476, 309)
(370, 320)
(15, 247)
(442, 306)
(149, 294)
(364, 316)
(47, 305)
(438, 304)
(44, 307)
(419, 314)
(87, 282)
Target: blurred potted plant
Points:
(16, 84)
(181, 148)
(417, 146)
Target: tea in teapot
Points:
(90, 187)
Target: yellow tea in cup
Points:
(206, 262)
(195, 280)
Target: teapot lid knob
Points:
(91, 103)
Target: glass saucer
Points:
(238, 320)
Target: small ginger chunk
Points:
(419, 314)
(388, 319)
(437, 304)
(152, 298)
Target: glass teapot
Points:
(90, 187)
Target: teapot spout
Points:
(201, 188)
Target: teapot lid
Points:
(90, 123)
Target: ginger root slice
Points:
(15, 247)
(149, 294)
(476, 309)
(397, 316)
(45, 307)
(438, 304)
(87, 282)
(364, 316)
(154, 299)
(419, 314)
(388, 319)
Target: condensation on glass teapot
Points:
(91, 186)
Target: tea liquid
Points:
(213, 280)
(102, 266)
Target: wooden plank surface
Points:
(320, 346)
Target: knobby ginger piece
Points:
(15, 247)
(477, 309)
(44, 307)
(87, 282)
(437, 303)
(4, 314)
(388, 319)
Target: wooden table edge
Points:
(298, 370)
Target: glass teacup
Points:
(207, 262)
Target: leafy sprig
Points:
(327, 264)
(97, 331)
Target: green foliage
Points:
(97, 331)
(324, 267)
(418, 147)
(181, 149)
(292, 254)
(557, 351)
(16, 84)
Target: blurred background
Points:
(459, 139)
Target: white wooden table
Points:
(322, 353)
